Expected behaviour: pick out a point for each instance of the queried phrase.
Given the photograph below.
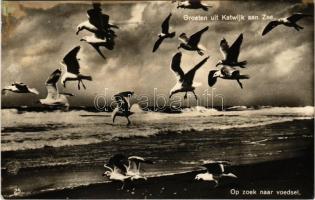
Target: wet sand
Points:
(290, 178)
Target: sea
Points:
(45, 151)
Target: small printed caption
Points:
(254, 192)
(238, 17)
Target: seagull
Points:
(289, 22)
(117, 169)
(133, 168)
(72, 66)
(97, 22)
(123, 106)
(193, 4)
(231, 54)
(54, 98)
(165, 33)
(19, 88)
(184, 80)
(228, 73)
(191, 44)
(215, 171)
(97, 41)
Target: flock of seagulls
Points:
(122, 168)
(103, 35)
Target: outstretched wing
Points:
(71, 61)
(51, 84)
(189, 76)
(224, 48)
(21, 86)
(195, 38)
(97, 18)
(165, 24)
(212, 80)
(122, 100)
(214, 168)
(296, 17)
(118, 161)
(270, 26)
(175, 65)
(234, 50)
(157, 44)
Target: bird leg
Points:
(128, 121)
(83, 84)
(239, 82)
(64, 84)
(123, 185)
(78, 85)
(185, 96)
(195, 94)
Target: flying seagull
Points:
(184, 80)
(98, 22)
(116, 169)
(231, 54)
(289, 22)
(54, 98)
(133, 168)
(72, 66)
(19, 88)
(226, 72)
(215, 171)
(123, 106)
(192, 43)
(193, 4)
(165, 33)
(97, 41)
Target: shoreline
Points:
(288, 178)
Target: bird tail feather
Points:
(243, 77)
(172, 34)
(33, 90)
(89, 78)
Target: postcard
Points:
(177, 99)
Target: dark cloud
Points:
(280, 64)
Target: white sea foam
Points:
(58, 129)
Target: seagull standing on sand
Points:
(133, 168)
(193, 4)
(185, 81)
(54, 98)
(117, 169)
(165, 33)
(19, 88)
(228, 73)
(192, 43)
(289, 22)
(215, 171)
(231, 54)
(72, 66)
(123, 106)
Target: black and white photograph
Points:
(173, 99)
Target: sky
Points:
(37, 35)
